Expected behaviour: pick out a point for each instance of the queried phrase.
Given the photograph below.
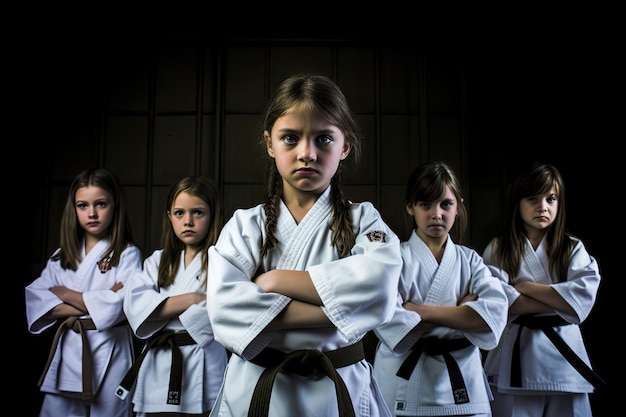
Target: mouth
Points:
(305, 171)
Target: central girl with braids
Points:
(294, 284)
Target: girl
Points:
(551, 283)
(166, 304)
(82, 286)
(428, 359)
(298, 281)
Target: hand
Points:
(468, 298)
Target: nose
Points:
(307, 151)
(436, 214)
(189, 220)
(93, 212)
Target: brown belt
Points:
(79, 326)
(169, 339)
(305, 362)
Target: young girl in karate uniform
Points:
(450, 306)
(166, 306)
(541, 367)
(297, 282)
(81, 291)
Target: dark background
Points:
(555, 99)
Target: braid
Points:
(274, 192)
(341, 224)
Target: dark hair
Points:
(320, 94)
(119, 232)
(427, 182)
(536, 178)
(205, 189)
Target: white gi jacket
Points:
(544, 369)
(111, 344)
(358, 293)
(203, 363)
(428, 391)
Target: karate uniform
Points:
(544, 370)
(428, 391)
(203, 363)
(111, 343)
(358, 294)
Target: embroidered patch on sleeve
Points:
(377, 236)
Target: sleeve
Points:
(143, 297)
(488, 257)
(106, 306)
(238, 309)
(40, 300)
(492, 303)
(581, 287)
(196, 322)
(366, 295)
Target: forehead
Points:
(184, 199)
(91, 192)
(302, 117)
(447, 194)
(550, 191)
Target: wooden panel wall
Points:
(192, 107)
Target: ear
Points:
(409, 209)
(347, 147)
(268, 143)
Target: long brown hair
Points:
(537, 178)
(197, 186)
(119, 232)
(323, 95)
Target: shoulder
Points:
(577, 246)
(467, 251)
(131, 250)
(248, 222)
(248, 215)
(364, 210)
(155, 256)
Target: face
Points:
(94, 209)
(434, 219)
(307, 151)
(539, 211)
(190, 218)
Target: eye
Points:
(447, 205)
(81, 206)
(198, 213)
(101, 204)
(424, 204)
(551, 199)
(178, 213)
(324, 140)
(289, 139)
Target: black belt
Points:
(305, 362)
(546, 324)
(79, 326)
(169, 339)
(435, 346)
